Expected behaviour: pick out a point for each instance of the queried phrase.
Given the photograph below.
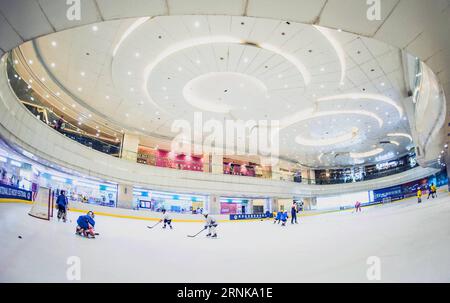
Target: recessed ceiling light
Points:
(322, 69)
(30, 61)
(52, 64)
(131, 89)
(197, 61)
(197, 24)
(90, 115)
(80, 89)
(58, 93)
(83, 74)
(127, 115)
(137, 55)
(95, 28)
(16, 62)
(129, 73)
(107, 97)
(322, 86)
(382, 84)
(73, 105)
(280, 76)
(53, 43)
(43, 79)
(245, 60)
(180, 68)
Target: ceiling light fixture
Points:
(400, 135)
(328, 34)
(367, 154)
(364, 96)
(129, 30)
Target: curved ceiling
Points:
(322, 85)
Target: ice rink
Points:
(412, 241)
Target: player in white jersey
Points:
(210, 223)
(166, 219)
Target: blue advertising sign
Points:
(248, 217)
(395, 193)
(9, 192)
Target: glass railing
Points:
(41, 108)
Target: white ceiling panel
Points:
(26, 17)
(206, 7)
(304, 11)
(113, 9)
(8, 37)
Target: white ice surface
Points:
(412, 241)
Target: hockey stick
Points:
(153, 225)
(192, 236)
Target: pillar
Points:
(130, 146)
(125, 196)
(216, 164)
(213, 205)
(249, 209)
(273, 204)
(308, 176)
(276, 174)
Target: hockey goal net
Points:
(42, 207)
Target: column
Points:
(273, 204)
(125, 196)
(276, 174)
(308, 176)
(216, 164)
(249, 209)
(130, 146)
(213, 205)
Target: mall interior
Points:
(92, 97)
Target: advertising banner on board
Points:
(14, 193)
(248, 216)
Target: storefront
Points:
(229, 205)
(157, 201)
(168, 159)
(81, 190)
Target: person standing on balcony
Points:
(59, 123)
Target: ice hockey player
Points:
(211, 223)
(358, 206)
(166, 219)
(284, 217)
(62, 204)
(86, 225)
(278, 217)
